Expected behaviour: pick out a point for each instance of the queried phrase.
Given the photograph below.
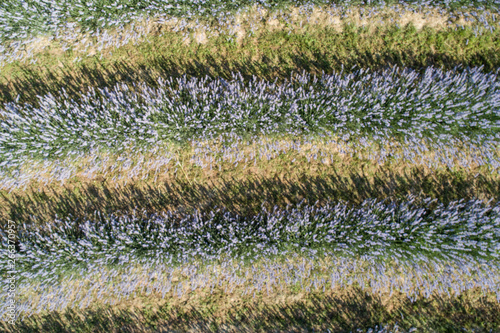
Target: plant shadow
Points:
(348, 311)
(243, 197)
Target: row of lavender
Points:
(394, 103)
(375, 230)
(415, 280)
(417, 249)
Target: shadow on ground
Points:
(316, 312)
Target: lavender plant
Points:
(107, 34)
(419, 247)
(393, 103)
(61, 20)
(19, 19)
(415, 279)
(376, 230)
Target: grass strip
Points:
(201, 161)
(19, 20)
(230, 282)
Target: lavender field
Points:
(204, 166)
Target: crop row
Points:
(155, 163)
(22, 19)
(376, 230)
(393, 103)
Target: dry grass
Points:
(204, 162)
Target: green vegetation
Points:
(120, 196)
(244, 189)
(342, 311)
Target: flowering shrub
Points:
(420, 247)
(393, 103)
